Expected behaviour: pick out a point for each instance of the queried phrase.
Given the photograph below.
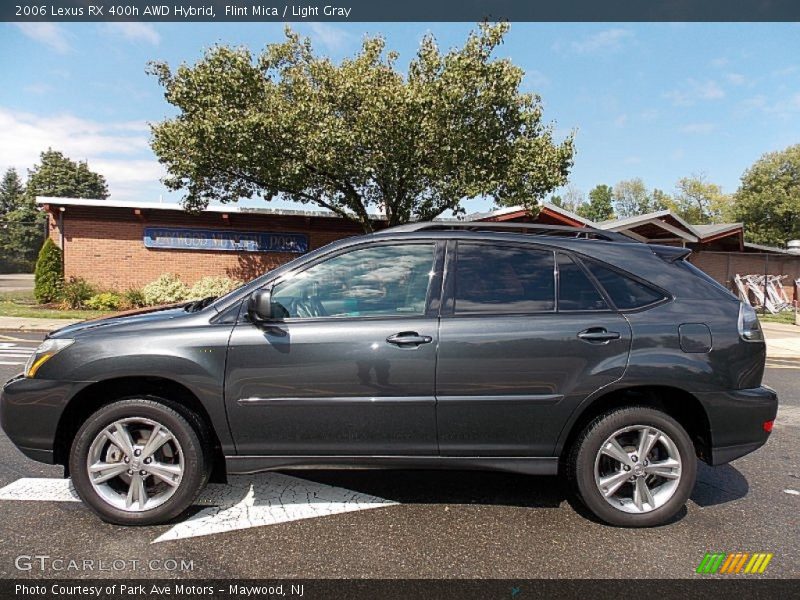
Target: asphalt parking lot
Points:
(418, 524)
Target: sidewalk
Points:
(783, 341)
(44, 325)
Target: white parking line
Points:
(246, 501)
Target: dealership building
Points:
(121, 245)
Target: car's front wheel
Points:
(138, 462)
(633, 467)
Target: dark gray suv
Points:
(434, 345)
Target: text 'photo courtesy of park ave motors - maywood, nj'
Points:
(306, 300)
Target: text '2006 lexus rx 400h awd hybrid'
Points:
(432, 345)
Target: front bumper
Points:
(30, 411)
(736, 419)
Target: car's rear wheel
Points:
(138, 462)
(633, 467)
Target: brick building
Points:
(118, 245)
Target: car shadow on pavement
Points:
(718, 485)
(447, 487)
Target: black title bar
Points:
(400, 10)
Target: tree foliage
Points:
(631, 197)
(11, 192)
(600, 206)
(361, 135)
(48, 282)
(21, 226)
(768, 200)
(698, 202)
(57, 175)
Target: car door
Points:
(350, 368)
(525, 335)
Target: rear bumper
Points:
(30, 411)
(736, 419)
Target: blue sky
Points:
(656, 101)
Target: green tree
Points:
(11, 191)
(698, 202)
(600, 206)
(362, 135)
(21, 226)
(631, 197)
(768, 200)
(48, 280)
(57, 175)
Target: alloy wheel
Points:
(638, 469)
(135, 464)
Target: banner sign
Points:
(224, 240)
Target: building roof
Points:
(767, 249)
(228, 208)
(512, 211)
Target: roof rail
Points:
(590, 233)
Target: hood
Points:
(137, 317)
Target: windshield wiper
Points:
(199, 304)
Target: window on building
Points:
(503, 279)
(367, 282)
(624, 292)
(575, 290)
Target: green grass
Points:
(22, 304)
(786, 317)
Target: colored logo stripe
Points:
(721, 562)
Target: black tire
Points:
(585, 450)
(187, 430)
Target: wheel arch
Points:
(99, 394)
(681, 405)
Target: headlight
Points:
(47, 350)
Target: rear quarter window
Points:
(626, 293)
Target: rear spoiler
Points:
(671, 254)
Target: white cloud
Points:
(736, 78)
(333, 38)
(698, 128)
(49, 34)
(720, 62)
(117, 150)
(621, 120)
(633, 160)
(537, 79)
(694, 91)
(38, 88)
(785, 108)
(134, 32)
(608, 40)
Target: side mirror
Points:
(259, 307)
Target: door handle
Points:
(598, 335)
(408, 338)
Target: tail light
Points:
(749, 327)
(768, 425)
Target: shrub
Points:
(134, 298)
(165, 290)
(76, 292)
(104, 301)
(212, 286)
(48, 281)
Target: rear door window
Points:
(575, 290)
(625, 293)
(503, 279)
